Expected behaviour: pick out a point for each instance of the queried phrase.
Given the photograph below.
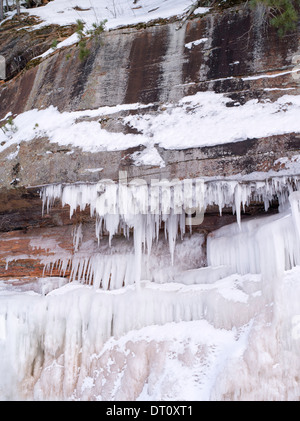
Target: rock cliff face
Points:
(19, 45)
(156, 64)
(150, 64)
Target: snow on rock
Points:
(199, 120)
(62, 128)
(117, 12)
(189, 45)
(73, 39)
(149, 156)
(203, 119)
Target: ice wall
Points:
(50, 344)
(268, 246)
(269, 368)
(220, 340)
(81, 342)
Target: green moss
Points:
(54, 44)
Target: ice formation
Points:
(163, 198)
(114, 266)
(230, 330)
(52, 343)
(268, 246)
(218, 340)
(145, 208)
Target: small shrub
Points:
(54, 44)
(97, 29)
(9, 127)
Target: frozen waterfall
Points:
(145, 208)
(142, 312)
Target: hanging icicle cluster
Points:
(144, 208)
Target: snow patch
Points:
(195, 121)
(189, 45)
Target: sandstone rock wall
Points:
(153, 64)
(148, 64)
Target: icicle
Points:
(295, 206)
(77, 236)
(172, 228)
(138, 236)
(112, 222)
(237, 197)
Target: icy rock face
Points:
(163, 199)
(136, 207)
(145, 208)
(113, 266)
(227, 331)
